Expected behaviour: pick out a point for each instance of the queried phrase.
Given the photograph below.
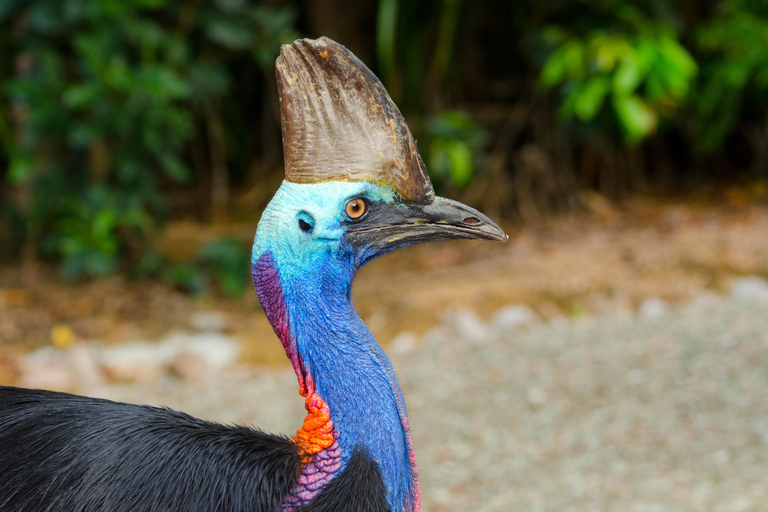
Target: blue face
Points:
(305, 225)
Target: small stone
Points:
(636, 377)
(188, 366)
(48, 368)
(85, 366)
(53, 378)
(706, 298)
(653, 307)
(536, 396)
(217, 350)
(467, 325)
(136, 361)
(749, 288)
(721, 457)
(208, 321)
(742, 504)
(436, 337)
(403, 343)
(514, 317)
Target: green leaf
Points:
(174, 168)
(82, 95)
(460, 158)
(386, 38)
(637, 119)
(589, 97)
(678, 55)
(554, 70)
(21, 168)
(629, 74)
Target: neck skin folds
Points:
(352, 397)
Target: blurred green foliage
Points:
(454, 144)
(115, 114)
(221, 265)
(105, 96)
(644, 72)
(734, 48)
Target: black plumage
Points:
(67, 453)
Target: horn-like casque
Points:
(339, 123)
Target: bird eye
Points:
(356, 208)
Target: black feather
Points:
(60, 452)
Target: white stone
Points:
(705, 298)
(208, 321)
(48, 368)
(749, 288)
(467, 325)
(653, 307)
(138, 361)
(85, 365)
(514, 317)
(536, 396)
(188, 366)
(217, 350)
(636, 377)
(742, 504)
(403, 343)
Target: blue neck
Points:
(350, 371)
(352, 374)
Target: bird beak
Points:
(389, 226)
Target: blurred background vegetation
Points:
(118, 115)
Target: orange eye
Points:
(355, 209)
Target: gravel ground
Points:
(638, 413)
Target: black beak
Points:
(388, 226)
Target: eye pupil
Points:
(356, 208)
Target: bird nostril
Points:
(471, 220)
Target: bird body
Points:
(354, 451)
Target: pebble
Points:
(208, 321)
(403, 343)
(215, 349)
(514, 317)
(749, 288)
(84, 365)
(48, 368)
(135, 361)
(653, 307)
(466, 325)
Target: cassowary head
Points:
(355, 186)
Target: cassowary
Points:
(355, 188)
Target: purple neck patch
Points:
(266, 280)
(315, 475)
